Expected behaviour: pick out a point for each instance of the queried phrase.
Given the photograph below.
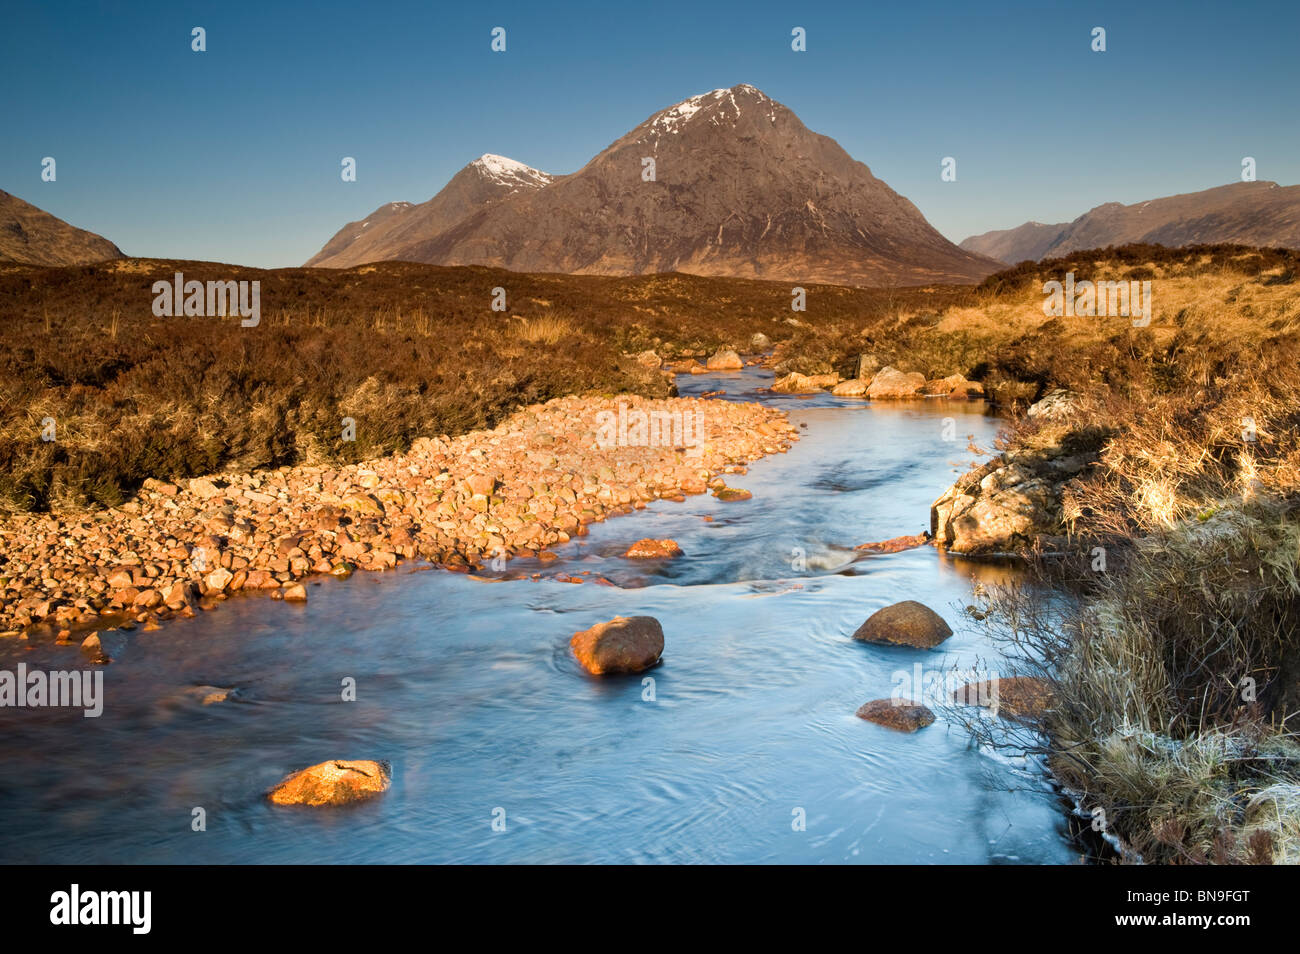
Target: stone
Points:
(219, 579)
(896, 714)
(795, 383)
(724, 360)
(896, 544)
(732, 494)
(944, 387)
(364, 504)
(908, 623)
(854, 387)
(759, 342)
(294, 593)
(1000, 507)
(1016, 698)
(121, 580)
(1054, 405)
(336, 782)
(891, 384)
(651, 549)
(622, 645)
(205, 488)
(207, 695)
(866, 368)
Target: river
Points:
(743, 749)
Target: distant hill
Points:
(34, 237)
(1245, 213)
(741, 188)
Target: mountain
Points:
(741, 188)
(388, 231)
(1246, 213)
(33, 237)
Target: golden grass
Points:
(544, 330)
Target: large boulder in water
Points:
(892, 384)
(336, 782)
(1000, 507)
(908, 623)
(724, 360)
(896, 714)
(652, 549)
(624, 644)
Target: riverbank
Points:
(533, 482)
(1163, 529)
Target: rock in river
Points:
(732, 494)
(336, 782)
(725, 360)
(908, 623)
(890, 383)
(896, 714)
(651, 549)
(624, 644)
(1018, 698)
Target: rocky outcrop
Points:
(336, 782)
(1054, 405)
(896, 714)
(854, 387)
(908, 623)
(624, 644)
(1000, 507)
(1011, 501)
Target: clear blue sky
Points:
(233, 154)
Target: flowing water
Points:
(468, 688)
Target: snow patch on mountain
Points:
(510, 171)
(671, 120)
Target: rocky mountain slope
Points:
(1246, 213)
(34, 237)
(740, 188)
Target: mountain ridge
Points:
(740, 188)
(1259, 213)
